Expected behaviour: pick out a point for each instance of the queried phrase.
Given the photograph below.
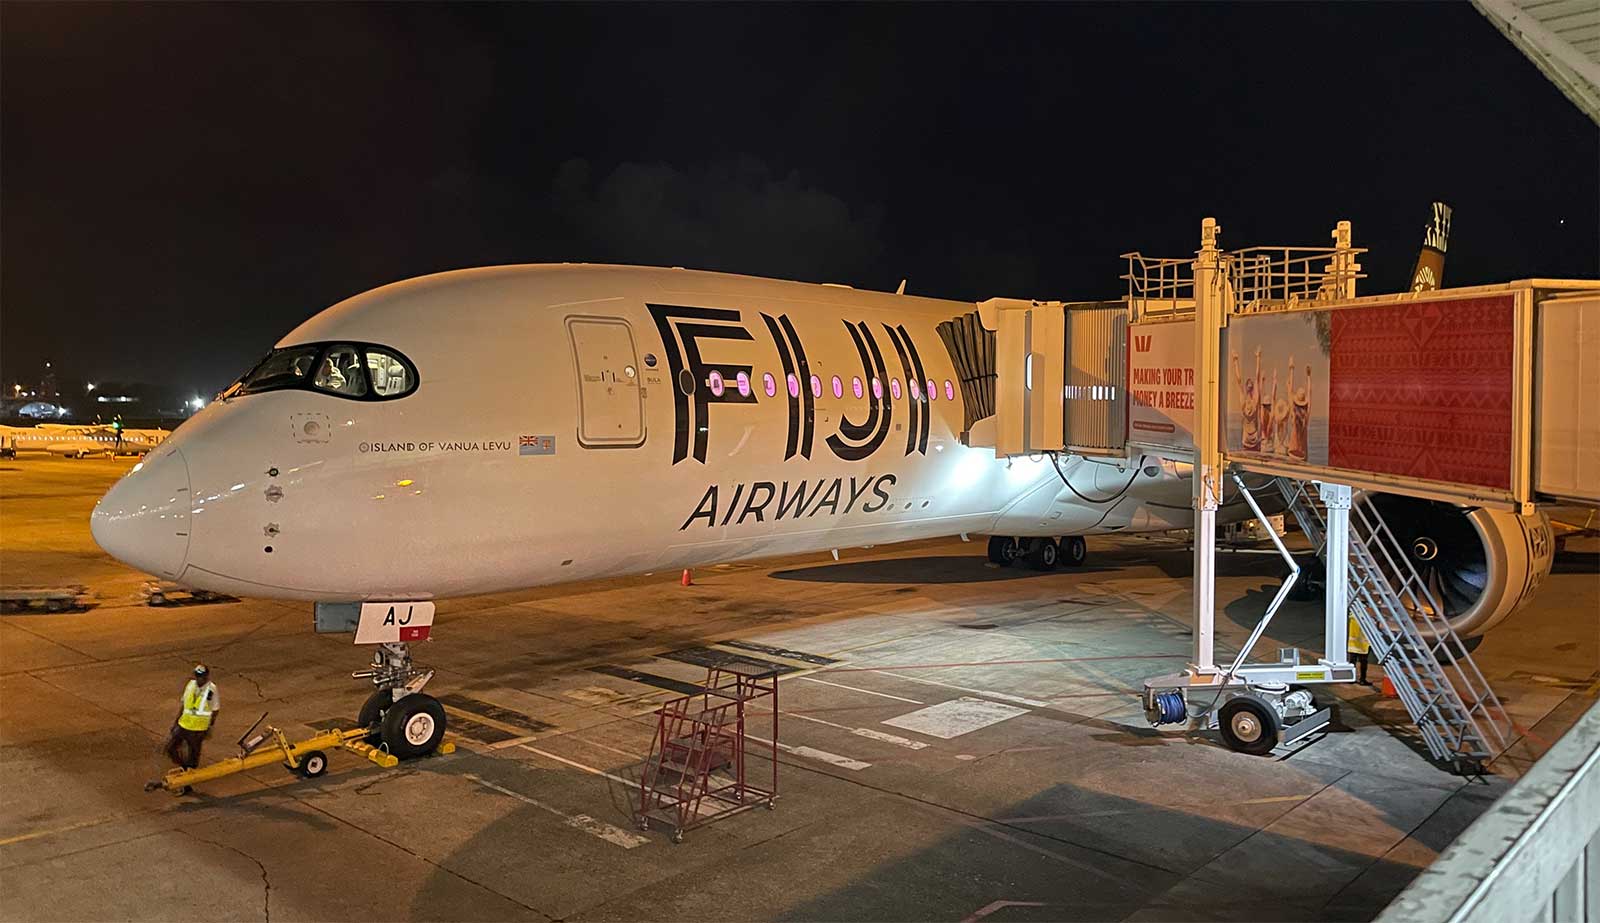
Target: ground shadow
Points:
(925, 569)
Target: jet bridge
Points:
(1411, 436)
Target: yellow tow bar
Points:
(307, 757)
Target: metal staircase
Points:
(1458, 715)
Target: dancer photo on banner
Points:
(1277, 386)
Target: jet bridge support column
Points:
(1209, 287)
(1336, 579)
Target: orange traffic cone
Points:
(687, 580)
(1389, 692)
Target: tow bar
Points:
(308, 757)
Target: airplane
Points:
(507, 427)
(78, 441)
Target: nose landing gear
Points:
(398, 714)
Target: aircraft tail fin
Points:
(1428, 273)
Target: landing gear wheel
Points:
(413, 726)
(1043, 554)
(313, 764)
(1002, 550)
(371, 714)
(1074, 550)
(1249, 725)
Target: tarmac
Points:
(956, 742)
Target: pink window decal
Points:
(816, 386)
(838, 387)
(769, 384)
(916, 389)
(855, 387)
(794, 386)
(894, 388)
(949, 390)
(716, 383)
(933, 390)
(877, 389)
(744, 384)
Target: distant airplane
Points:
(77, 441)
(507, 427)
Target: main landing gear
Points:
(399, 714)
(1040, 553)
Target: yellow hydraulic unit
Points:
(307, 757)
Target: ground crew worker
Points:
(193, 725)
(1358, 647)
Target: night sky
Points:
(183, 184)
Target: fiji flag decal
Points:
(536, 445)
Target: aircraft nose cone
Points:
(143, 520)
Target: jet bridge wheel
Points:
(1249, 725)
(413, 726)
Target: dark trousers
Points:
(188, 743)
(1361, 666)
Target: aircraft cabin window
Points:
(339, 371)
(877, 389)
(794, 386)
(855, 387)
(894, 388)
(838, 387)
(769, 384)
(933, 390)
(744, 384)
(816, 386)
(715, 383)
(916, 389)
(949, 390)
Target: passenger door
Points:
(610, 405)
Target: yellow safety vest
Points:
(1357, 643)
(198, 706)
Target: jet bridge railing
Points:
(1534, 855)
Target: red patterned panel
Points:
(1423, 389)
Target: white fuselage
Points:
(564, 426)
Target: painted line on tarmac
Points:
(614, 835)
(868, 733)
(885, 695)
(577, 765)
(1001, 696)
(832, 759)
(880, 668)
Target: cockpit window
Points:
(390, 375)
(339, 370)
(283, 368)
(358, 371)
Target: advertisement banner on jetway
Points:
(1277, 386)
(1161, 382)
(1419, 389)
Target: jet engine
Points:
(1481, 565)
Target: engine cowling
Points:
(1482, 565)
